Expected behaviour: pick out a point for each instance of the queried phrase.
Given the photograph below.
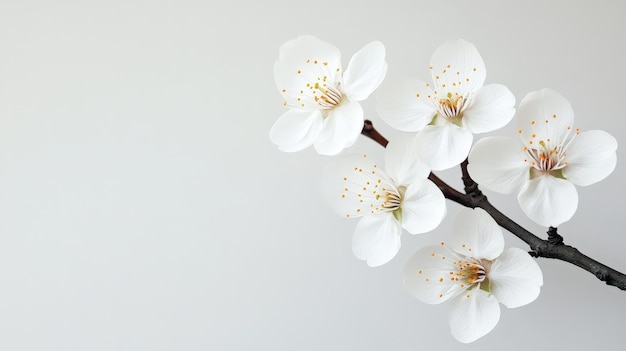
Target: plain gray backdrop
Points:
(143, 207)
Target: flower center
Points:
(474, 273)
(547, 155)
(326, 96)
(452, 106)
(372, 191)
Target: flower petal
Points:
(545, 113)
(365, 72)
(402, 163)
(423, 207)
(296, 130)
(492, 107)
(473, 315)
(353, 186)
(591, 157)
(303, 62)
(403, 104)
(427, 275)
(443, 146)
(476, 234)
(308, 47)
(497, 163)
(515, 278)
(340, 129)
(458, 67)
(548, 200)
(377, 239)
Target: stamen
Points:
(370, 191)
(452, 106)
(548, 155)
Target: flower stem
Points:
(551, 248)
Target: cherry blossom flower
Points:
(386, 201)
(546, 161)
(447, 113)
(475, 273)
(323, 100)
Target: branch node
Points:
(542, 249)
(602, 274)
(553, 237)
(471, 187)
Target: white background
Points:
(143, 207)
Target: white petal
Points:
(473, 315)
(591, 157)
(427, 275)
(476, 234)
(308, 47)
(550, 112)
(376, 239)
(296, 130)
(365, 72)
(515, 278)
(458, 65)
(549, 201)
(445, 146)
(492, 107)
(340, 129)
(497, 163)
(423, 207)
(353, 185)
(303, 62)
(402, 162)
(404, 106)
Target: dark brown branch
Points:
(551, 248)
(370, 132)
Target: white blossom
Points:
(449, 111)
(322, 99)
(386, 201)
(475, 273)
(548, 158)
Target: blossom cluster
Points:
(542, 164)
